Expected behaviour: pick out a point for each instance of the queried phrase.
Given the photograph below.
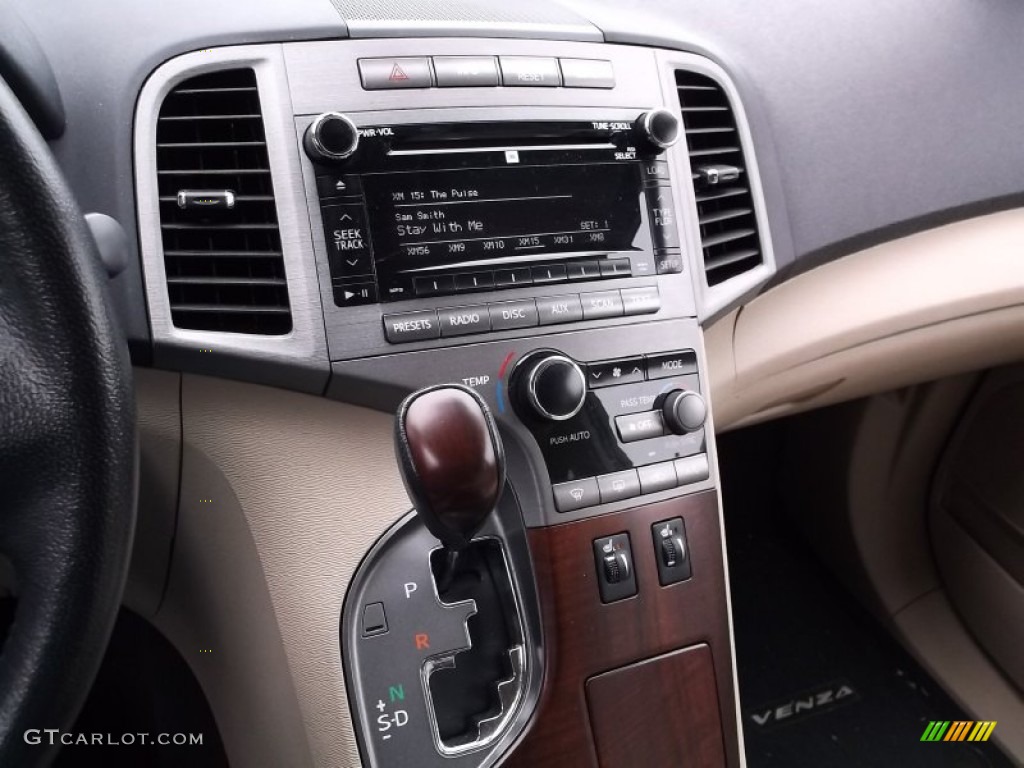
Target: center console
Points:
(514, 221)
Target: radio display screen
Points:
(472, 217)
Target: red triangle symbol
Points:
(398, 74)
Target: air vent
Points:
(725, 206)
(222, 246)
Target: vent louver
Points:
(222, 246)
(725, 206)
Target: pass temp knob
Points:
(551, 385)
(331, 138)
(684, 411)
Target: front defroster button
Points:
(412, 326)
(576, 494)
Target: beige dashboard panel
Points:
(298, 487)
(929, 305)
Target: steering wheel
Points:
(67, 445)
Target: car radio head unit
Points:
(431, 209)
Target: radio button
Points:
(513, 314)
(559, 309)
(355, 294)
(616, 268)
(436, 285)
(583, 270)
(641, 301)
(411, 326)
(465, 71)
(587, 73)
(382, 74)
(462, 321)
(533, 71)
(601, 304)
(548, 273)
(512, 278)
(466, 282)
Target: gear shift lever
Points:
(452, 461)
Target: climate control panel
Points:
(614, 429)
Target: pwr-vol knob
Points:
(331, 138)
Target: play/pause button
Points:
(355, 294)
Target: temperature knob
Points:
(331, 138)
(684, 411)
(659, 128)
(552, 385)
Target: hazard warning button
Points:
(409, 72)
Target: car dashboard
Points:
(622, 229)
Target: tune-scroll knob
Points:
(659, 128)
(684, 411)
(552, 385)
(331, 138)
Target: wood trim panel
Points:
(658, 709)
(584, 637)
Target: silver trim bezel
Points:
(305, 347)
(713, 301)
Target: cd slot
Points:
(491, 137)
(500, 147)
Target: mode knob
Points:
(658, 128)
(331, 138)
(553, 386)
(684, 411)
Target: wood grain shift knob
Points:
(452, 460)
